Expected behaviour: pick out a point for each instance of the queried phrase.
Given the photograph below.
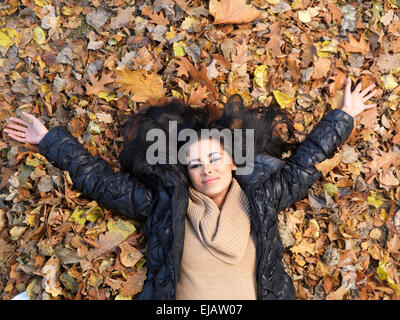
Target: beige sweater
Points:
(219, 254)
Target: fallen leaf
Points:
(232, 11)
(129, 255)
(143, 85)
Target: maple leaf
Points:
(356, 46)
(143, 85)
(99, 85)
(232, 11)
(187, 69)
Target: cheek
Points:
(193, 176)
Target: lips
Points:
(210, 180)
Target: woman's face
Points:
(210, 168)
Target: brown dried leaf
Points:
(99, 85)
(106, 242)
(129, 255)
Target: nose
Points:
(208, 168)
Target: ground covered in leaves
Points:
(88, 64)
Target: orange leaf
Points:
(156, 18)
(143, 86)
(197, 95)
(232, 11)
(275, 39)
(356, 46)
(321, 69)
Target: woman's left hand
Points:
(354, 101)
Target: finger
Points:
(348, 86)
(20, 121)
(369, 96)
(17, 138)
(29, 116)
(358, 88)
(16, 133)
(369, 106)
(367, 89)
(15, 126)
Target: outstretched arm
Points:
(298, 174)
(92, 176)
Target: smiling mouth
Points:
(210, 180)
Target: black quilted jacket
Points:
(273, 186)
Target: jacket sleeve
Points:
(93, 177)
(292, 182)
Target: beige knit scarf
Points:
(225, 233)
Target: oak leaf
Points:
(232, 11)
(197, 95)
(275, 39)
(356, 46)
(99, 85)
(381, 160)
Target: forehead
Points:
(203, 147)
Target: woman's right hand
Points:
(31, 131)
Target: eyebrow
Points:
(209, 155)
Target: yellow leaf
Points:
(143, 85)
(179, 49)
(260, 75)
(67, 11)
(123, 228)
(8, 37)
(375, 200)
(273, 1)
(122, 297)
(389, 81)
(283, 99)
(304, 247)
(78, 216)
(94, 213)
(107, 96)
(42, 3)
(176, 94)
(39, 36)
